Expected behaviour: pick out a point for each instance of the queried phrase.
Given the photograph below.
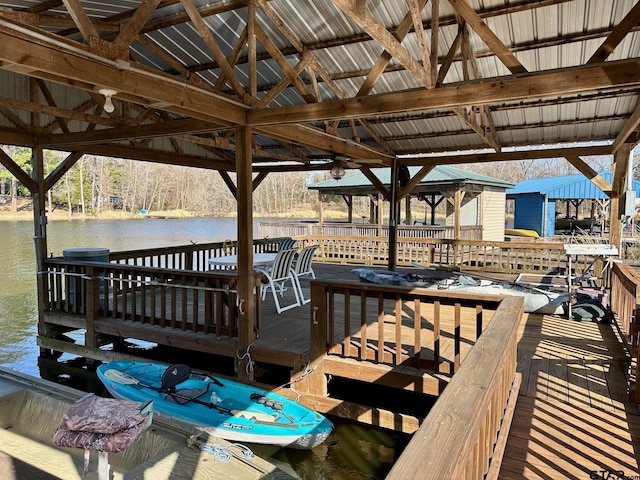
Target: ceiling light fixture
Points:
(337, 172)
(108, 103)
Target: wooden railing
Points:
(187, 257)
(625, 305)
(503, 257)
(398, 326)
(341, 229)
(186, 300)
(460, 435)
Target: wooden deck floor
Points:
(572, 417)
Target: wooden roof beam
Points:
(590, 173)
(135, 24)
(70, 65)
(628, 128)
(152, 130)
(213, 46)
(575, 80)
(535, 154)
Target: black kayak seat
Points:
(174, 375)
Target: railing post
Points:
(92, 304)
(317, 382)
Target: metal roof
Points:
(502, 79)
(440, 175)
(568, 187)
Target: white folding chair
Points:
(303, 268)
(278, 276)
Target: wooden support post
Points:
(379, 214)
(393, 219)
(407, 210)
(246, 331)
(40, 232)
(616, 213)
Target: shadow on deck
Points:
(573, 418)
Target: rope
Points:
(221, 453)
(307, 371)
(250, 362)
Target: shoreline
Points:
(64, 216)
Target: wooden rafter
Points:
(50, 100)
(435, 31)
(290, 72)
(629, 127)
(82, 21)
(415, 10)
(133, 26)
(213, 46)
(618, 33)
(277, 89)
(385, 57)
(359, 14)
(493, 42)
(128, 133)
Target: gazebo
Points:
(471, 199)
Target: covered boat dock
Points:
(250, 88)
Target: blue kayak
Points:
(225, 408)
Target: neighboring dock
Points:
(31, 409)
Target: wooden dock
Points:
(573, 416)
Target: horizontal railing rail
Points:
(503, 257)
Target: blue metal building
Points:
(535, 200)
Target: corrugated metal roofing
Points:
(442, 174)
(568, 187)
(541, 35)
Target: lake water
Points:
(354, 452)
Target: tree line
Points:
(96, 184)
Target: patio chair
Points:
(287, 244)
(278, 276)
(303, 268)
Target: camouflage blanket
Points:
(102, 424)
